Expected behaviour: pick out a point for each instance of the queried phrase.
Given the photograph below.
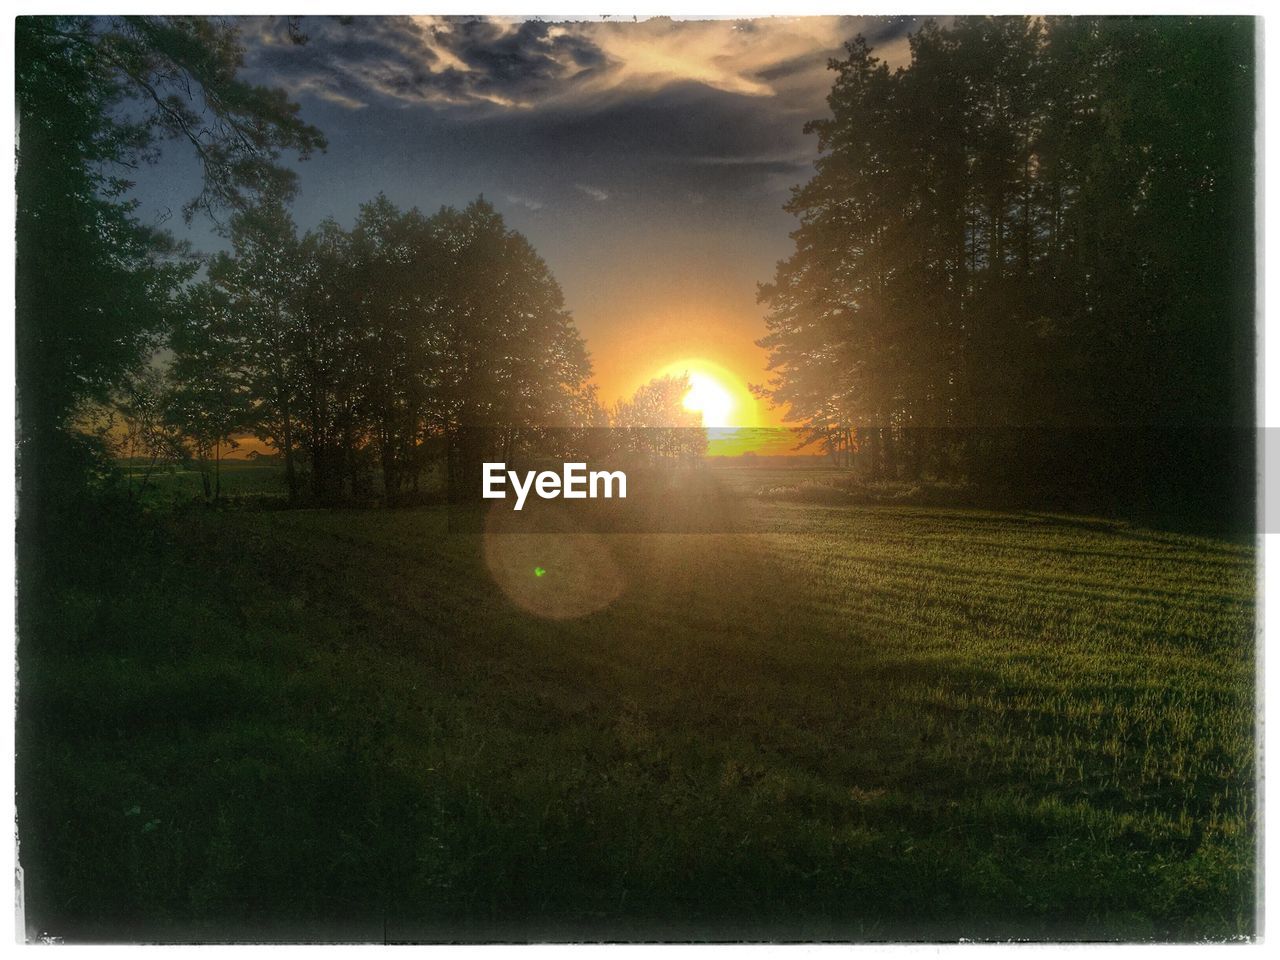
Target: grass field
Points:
(240, 479)
(870, 722)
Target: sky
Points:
(647, 161)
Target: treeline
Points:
(366, 353)
(1028, 255)
(367, 357)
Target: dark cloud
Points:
(468, 61)
(356, 61)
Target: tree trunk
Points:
(290, 474)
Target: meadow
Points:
(867, 722)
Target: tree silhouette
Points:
(96, 99)
(1028, 250)
(259, 283)
(208, 397)
(387, 345)
(654, 425)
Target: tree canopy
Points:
(97, 98)
(387, 344)
(1037, 224)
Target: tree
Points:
(333, 364)
(208, 400)
(395, 341)
(132, 425)
(1007, 249)
(96, 98)
(655, 425)
(260, 284)
(506, 363)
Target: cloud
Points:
(425, 60)
(526, 202)
(779, 164)
(522, 64)
(632, 115)
(730, 56)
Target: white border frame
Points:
(1268, 357)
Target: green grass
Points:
(869, 723)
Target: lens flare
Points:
(541, 538)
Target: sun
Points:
(716, 393)
(708, 397)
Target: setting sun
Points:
(708, 397)
(716, 393)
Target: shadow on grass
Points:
(332, 725)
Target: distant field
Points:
(240, 478)
(891, 722)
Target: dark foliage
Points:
(376, 350)
(1037, 229)
(96, 98)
